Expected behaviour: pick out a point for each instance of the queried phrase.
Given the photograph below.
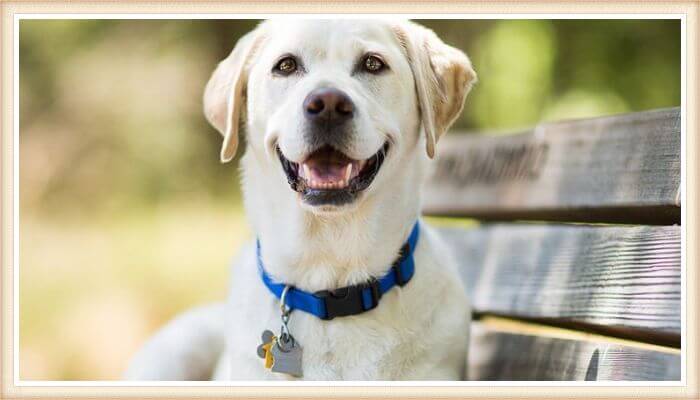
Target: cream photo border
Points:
(12, 11)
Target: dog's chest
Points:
(372, 346)
(354, 348)
(404, 337)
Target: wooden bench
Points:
(574, 263)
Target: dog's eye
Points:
(285, 66)
(373, 63)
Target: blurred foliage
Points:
(127, 215)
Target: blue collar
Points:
(349, 300)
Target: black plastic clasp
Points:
(348, 300)
(400, 279)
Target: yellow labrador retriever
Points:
(344, 281)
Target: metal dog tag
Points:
(287, 355)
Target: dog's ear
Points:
(225, 92)
(443, 75)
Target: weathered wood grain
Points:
(623, 279)
(498, 356)
(615, 169)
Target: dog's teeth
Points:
(348, 171)
(307, 173)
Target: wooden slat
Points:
(623, 280)
(496, 355)
(616, 169)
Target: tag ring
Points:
(283, 302)
(286, 310)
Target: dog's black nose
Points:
(329, 105)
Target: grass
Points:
(93, 289)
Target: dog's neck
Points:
(319, 252)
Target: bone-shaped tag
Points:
(264, 350)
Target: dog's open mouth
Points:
(328, 176)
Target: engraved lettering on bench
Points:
(494, 164)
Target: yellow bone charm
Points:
(269, 360)
(265, 349)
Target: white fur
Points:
(419, 331)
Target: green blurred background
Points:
(127, 216)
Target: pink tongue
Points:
(328, 175)
(325, 173)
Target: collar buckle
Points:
(350, 300)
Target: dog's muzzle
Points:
(329, 177)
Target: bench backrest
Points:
(595, 292)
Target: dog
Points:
(342, 119)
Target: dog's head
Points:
(337, 105)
